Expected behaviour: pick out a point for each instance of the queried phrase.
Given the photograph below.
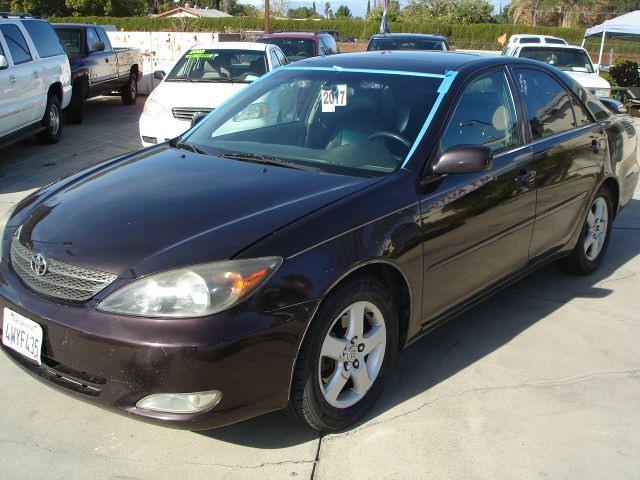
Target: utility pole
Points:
(266, 16)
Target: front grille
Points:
(631, 130)
(62, 281)
(187, 113)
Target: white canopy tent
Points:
(624, 27)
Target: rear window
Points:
(406, 44)
(293, 48)
(556, 41)
(71, 39)
(567, 59)
(530, 40)
(44, 38)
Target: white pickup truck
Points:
(35, 80)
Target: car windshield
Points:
(211, 65)
(406, 44)
(569, 59)
(336, 121)
(293, 48)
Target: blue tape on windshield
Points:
(335, 68)
(186, 134)
(449, 76)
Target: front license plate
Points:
(22, 335)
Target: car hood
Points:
(589, 80)
(164, 208)
(194, 95)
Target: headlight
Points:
(3, 224)
(194, 291)
(153, 108)
(602, 92)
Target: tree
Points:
(567, 13)
(449, 11)
(125, 8)
(368, 7)
(343, 12)
(302, 12)
(37, 7)
(328, 13)
(278, 8)
(242, 9)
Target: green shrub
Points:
(625, 74)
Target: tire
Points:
(592, 244)
(75, 112)
(337, 380)
(129, 92)
(52, 121)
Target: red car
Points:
(299, 45)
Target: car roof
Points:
(84, 25)
(411, 61)
(252, 46)
(295, 34)
(426, 36)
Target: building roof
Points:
(196, 12)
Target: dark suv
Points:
(407, 41)
(299, 45)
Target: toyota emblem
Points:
(39, 265)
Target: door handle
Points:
(36, 74)
(526, 178)
(12, 79)
(595, 146)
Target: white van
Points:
(35, 79)
(205, 76)
(573, 60)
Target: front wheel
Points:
(129, 92)
(52, 121)
(346, 356)
(594, 237)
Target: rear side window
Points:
(16, 43)
(548, 103)
(44, 38)
(485, 115)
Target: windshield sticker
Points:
(198, 54)
(334, 97)
(524, 90)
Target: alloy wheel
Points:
(596, 231)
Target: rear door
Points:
(569, 151)
(24, 79)
(477, 227)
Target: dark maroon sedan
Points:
(282, 251)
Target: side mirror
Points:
(464, 159)
(159, 74)
(197, 118)
(3, 62)
(97, 46)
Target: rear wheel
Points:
(75, 112)
(52, 121)
(346, 357)
(594, 237)
(129, 92)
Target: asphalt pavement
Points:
(540, 381)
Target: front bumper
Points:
(114, 361)
(158, 129)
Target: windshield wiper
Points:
(188, 146)
(179, 79)
(266, 160)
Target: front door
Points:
(476, 228)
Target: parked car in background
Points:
(522, 39)
(96, 67)
(299, 45)
(205, 76)
(236, 271)
(407, 41)
(571, 59)
(35, 79)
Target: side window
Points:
(104, 38)
(16, 43)
(92, 37)
(44, 38)
(281, 57)
(599, 111)
(321, 48)
(274, 60)
(330, 45)
(485, 115)
(582, 117)
(548, 103)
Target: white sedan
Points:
(205, 77)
